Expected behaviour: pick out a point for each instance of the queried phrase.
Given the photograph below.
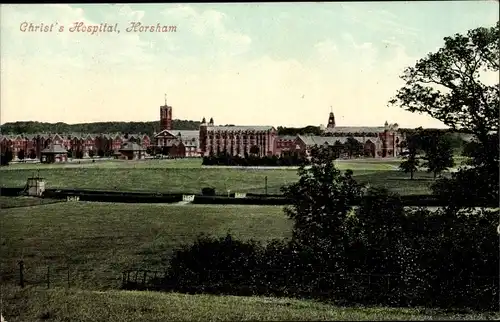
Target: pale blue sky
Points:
(272, 64)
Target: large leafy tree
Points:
(321, 202)
(438, 153)
(452, 86)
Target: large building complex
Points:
(210, 139)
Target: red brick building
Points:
(284, 143)
(237, 140)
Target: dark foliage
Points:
(208, 191)
(6, 157)
(380, 254)
(293, 131)
(31, 127)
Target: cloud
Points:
(81, 50)
(209, 27)
(379, 20)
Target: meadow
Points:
(189, 176)
(97, 241)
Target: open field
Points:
(97, 241)
(33, 304)
(21, 201)
(189, 176)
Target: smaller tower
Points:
(331, 120)
(203, 136)
(165, 116)
(211, 122)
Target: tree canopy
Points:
(30, 127)
(450, 85)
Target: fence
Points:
(51, 276)
(354, 287)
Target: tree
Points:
(438, 153)
(353, 147)
(254, 149)
(321, 201)
(91, 153)
(410, 161)
(450, 85)
(6, 157)
(20, 154)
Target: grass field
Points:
(190, 177)
(97, 241)
(34, 304)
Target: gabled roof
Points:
(54, 149)
(131, 146)
(165, 133)
(187, 134)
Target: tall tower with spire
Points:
(165, 116)
(331, 121)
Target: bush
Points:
(208, 191)
(217, 266)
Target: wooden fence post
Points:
(68, 277)
(21, 273)
(48, 276)
(144, 278)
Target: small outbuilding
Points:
(132, 151)
(54, 153)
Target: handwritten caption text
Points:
(81, 27)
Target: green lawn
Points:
(188, 176)
(97, 241)
(22, 201)
(34, 304)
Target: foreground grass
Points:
(187, 176)
(22, 201)
(33, 304)
(97, 241)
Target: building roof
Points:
(187, 134)
(356, 129)
(54, 149)
(238, 128)
(131, 147)
(286, 137)
(165, 133)
(311, 140)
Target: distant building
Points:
(284, 143)
(237, 140)
(178, 144)
(54, 153)
(132, 151)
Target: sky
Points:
(284, 64)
